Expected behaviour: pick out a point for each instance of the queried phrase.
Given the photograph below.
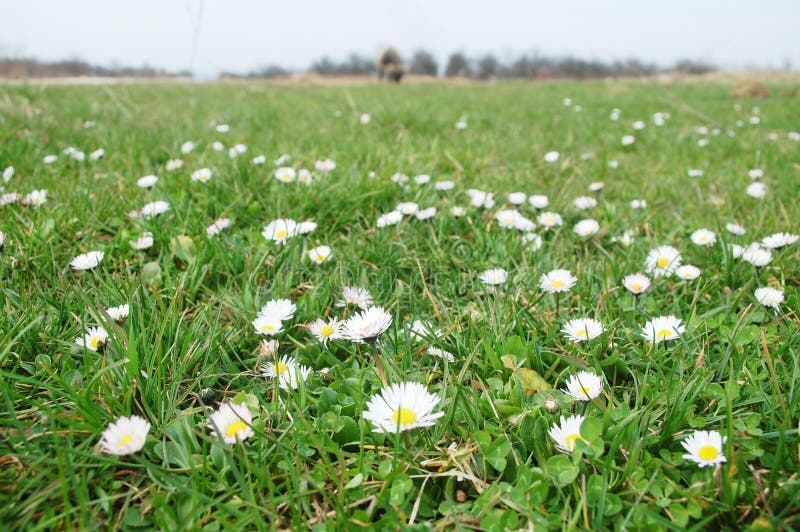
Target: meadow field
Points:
(399, 307)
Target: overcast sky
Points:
(239, 35)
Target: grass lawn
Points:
(316, 449)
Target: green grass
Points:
(313, 461)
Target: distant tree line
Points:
(488, 66)
(33, 68)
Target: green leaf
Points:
(561, 470)
(355, 482)
(530, 381)
(151, 272)
(183, 247)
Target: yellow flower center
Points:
(558, 283)
(280, 367)
(707, 452)
(281, 234)
(585, 391)
(267, 327)
(404, 416)
(581, 333)
(571, 439)
(662, 262)
(636, 287)
(320, 258)
(126, 440)
(548, 220)
(664, 333)
(326, 331)
(235, 427)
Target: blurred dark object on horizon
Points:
(390, 65)
(26, 67)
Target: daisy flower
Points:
(49, 159)
(688, 272)
(422, 330)
(320, 254)
(507, 218)
(704, 237)
(626, 239)
(638, 204)
(95, 339)
(223, 128)
(441, 353)
(549, 219)
(539, 201)
(694, 172)
(87, 261)
(401, 407)
(584, 386)
(627, 140)
(458, 211)
(756, 173)
(218, 146)
(9, 198)
(173, 164)
(218, 226)
(756, 255)
(597, 186)
(479, 198)
(367, 324)
(425, 214)
(280, 230)
(533, 240)
(118, 313)
(203, 175)
(325, 166)
(126, 435)
(756, 190)
(303, 228)
(353, 295)
(407, 208)
(267, 325)
(638, 125)
(288, 372)
(2, 240)
(187, 146)
(281, 309)
(704, 447)
(582, 329)
(422, 179)
(365, 118)
(494, 276)
(326, 330)
(154, 209)
(399, 178)
(663, 328)
(285, 174)
(557, 281)
(259, 160)
(779, 240)
(516, 198)
(551, 156)
(36, 198)
(461, 124)
(636, 283)
(390, 218)
(143, 242)
(231, 422)
(586, 228)
(567, 432)
(735, 229)
(97, 154)
(147, 181)
(584, 202)
(444, 185)
(269, 348)
(663, 261)
(770, 297)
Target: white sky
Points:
(240, 35)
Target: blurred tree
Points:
(424, 63)
(488, 67)
(457, 65)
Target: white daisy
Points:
(735, 229)
(582, 329)
(457, 211)
(516, 198)
(269, 349)
(49, 159)
(36, 198)
(539, 201)
(399, 178)
(461, 124)
(583, 203)
(494, 276)
(367, 324)
(187, 146)
(423, 330)
(2, 240)
(267, 325)
(285, 174)
(779, 240)
(390, 218)
(303, 228)
(663, 261)
(551, 156)
(704, 447)
(258, 160)
(422, 179)
(597, 186)
(638, 204)
(613, 163)
(155, 208)
(147, 181)
(694, 172)
(688, 272)
(626, 239)
(444, 185)
(638, 125)
(223, 128)
(407, 208)
(756, 255)
(756, 173)
(218, 226)
(281, 309)
(353, 295)
(326, 330)
(203, 175)
(280, 230)
(507, 218)
(325, 166)
(118, 313)
(231, 422)
(95, 339)
(425, 214)
(87, 261)
(549, 219)
(636, 283)
(173, 164)
(97, 154)
(365, 118)
(584, 386)
(218, 146)
(586, 228)
(9, 198)
(756, 190)
(283, 159)
(304, 177)
(479, 198)
(567, 432)
(704, 237)
(401, 407)
(126, 435)
(320, 254)
(557, 281)
(663, 328)
(770, 297)
(627, 140)
(533, 240)
(143, 242)
(441, 353)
